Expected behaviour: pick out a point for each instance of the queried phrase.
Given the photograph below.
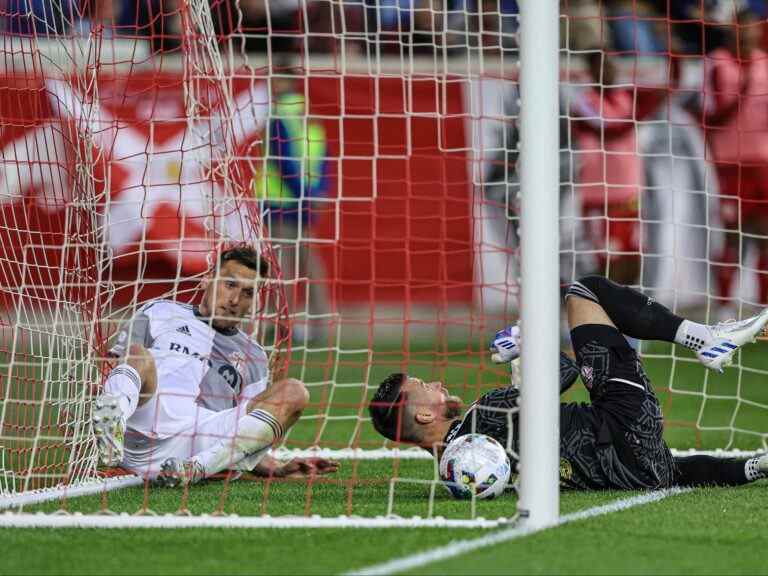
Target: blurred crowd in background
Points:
(643, 27)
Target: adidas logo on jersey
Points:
(184, 330)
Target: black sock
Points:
(710, 471)
(633, 313)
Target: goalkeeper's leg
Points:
(264, 421)
(639, 316)
(709, 471)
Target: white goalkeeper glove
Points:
(506, 345)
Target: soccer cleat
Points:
(176, 472)
(727, 337)
(109, 428)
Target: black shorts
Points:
(609, 365)
(624, 404)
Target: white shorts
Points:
(172, 424)
(144, 453)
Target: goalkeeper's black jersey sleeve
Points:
(569, 371)
(495, 413)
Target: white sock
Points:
(255, 433)
(692, 335)
(756, 468)
(125, 383)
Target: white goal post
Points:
(539, 503)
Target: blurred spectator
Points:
(265, 25)
(39, 17)
(98, 15)
(330, 21)
(697, 25)
(611, 172)
(418, 27)
(160, 20)
(292, 174)
(735, 119)
(758, 8)
(490, 24)
(582, 28)
(635, 27)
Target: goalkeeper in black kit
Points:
(615, 442)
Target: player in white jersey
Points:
(191, 396)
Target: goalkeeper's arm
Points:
(506, 348)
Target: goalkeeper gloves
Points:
(506, 345)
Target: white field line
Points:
(77, 520)
(66, 492)
(459, 547)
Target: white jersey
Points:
(199, 369)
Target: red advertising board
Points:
(397, 167)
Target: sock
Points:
(756, 468)
(254, 434)
(125, 383)
(702, 470)
(692, 335)
(633, 313)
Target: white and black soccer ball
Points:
(475, 464)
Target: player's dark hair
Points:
(246, 255)
(387, 407)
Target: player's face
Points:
(230, 296)
(433, 396)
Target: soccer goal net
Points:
(370, 152)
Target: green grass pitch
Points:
(706, 531)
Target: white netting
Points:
(133, 146)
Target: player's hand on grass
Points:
(305, 467)
(505, 346)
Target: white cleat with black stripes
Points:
(108, 425)
(727, 338)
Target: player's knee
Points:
(591, 288)
(140, 360)
(591, 282)
(295, 394)
(572, 304)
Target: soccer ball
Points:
(475, 464)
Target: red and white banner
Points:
(400, 230)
